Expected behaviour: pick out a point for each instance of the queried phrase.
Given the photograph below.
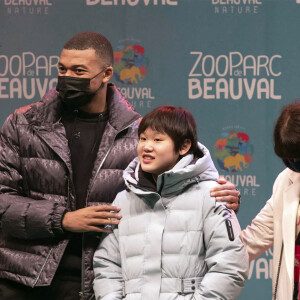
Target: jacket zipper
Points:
(102, 162)
(68, 201)
(81, 294)
(38, 277)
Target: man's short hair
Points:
(176, 122)
(88, 39)
(287, 133)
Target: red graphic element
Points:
(143, 70)
(248, 158)
(118, 56)
(221, 143)
(243, 136)
(138, 49)
(298, 221)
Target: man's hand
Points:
(226, 192)
(92, 218)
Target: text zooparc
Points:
(233, 76)
(24, 75)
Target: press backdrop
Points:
(232, 63)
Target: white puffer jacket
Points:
(173, 242)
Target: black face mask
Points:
(75, 92)
(294, 165)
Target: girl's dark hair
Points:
(287, 133)
(176, 122)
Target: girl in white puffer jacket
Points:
(173, 241)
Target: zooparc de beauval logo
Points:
(234, 76)
(234, 153)
(27, 7)
(130, 64)
(130, 69)
(236, 6)
(27, 75)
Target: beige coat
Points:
(275, 224)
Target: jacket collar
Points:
(120, 111)
(186, 172)
(294, 176)
(146, 180)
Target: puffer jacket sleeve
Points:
(22, 217)
(108, 282)
(226, 258)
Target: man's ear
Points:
(185, 147)
(108, 73)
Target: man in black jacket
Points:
(59, 159)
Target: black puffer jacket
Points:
(36, 186)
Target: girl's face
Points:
(156, 152)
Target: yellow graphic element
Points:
(235, 161)
(130, 74)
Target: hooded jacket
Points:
(36, 186)
(174, 242)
